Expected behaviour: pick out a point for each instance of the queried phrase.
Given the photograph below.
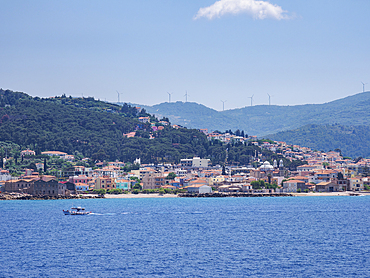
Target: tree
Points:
(258, 184)
(100, 191)
(223, 170)
(171, 176)
(45, 166)
(32, 166)
(115, 191)
(137, 186)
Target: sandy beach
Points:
(140, 195)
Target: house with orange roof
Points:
(144, 119)
(130, 134)
(27, 152)
(324, 175)
(293, 185)
(328, 186)
(217, 180)
(81, 187)
(105, 183)
(21, 185)
(124, 184)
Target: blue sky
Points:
(297, 51)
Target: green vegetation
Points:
(115, 191)
(352, 141)
(90, 128)
(101, 191)
(171, 176)
(137, 186)
(261, 184)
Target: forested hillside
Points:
(353, 141)
(95, 129)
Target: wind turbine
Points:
(118, 95)
(363, 86)
(223, 104)
(269, 98)
(169, 96)
(251, 99)
(186, 96)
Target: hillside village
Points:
(322, 172)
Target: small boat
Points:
(76, 211)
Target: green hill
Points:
(353, 141)
(267, 119)
(95, 129)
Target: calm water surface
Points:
(214, 237)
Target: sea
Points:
(187, 237)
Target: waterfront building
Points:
(105, 183)
(199, 188)
(123, 184)
(153, 180)
(328, 187)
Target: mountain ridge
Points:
(261, 120)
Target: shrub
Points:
(101, 191)
(115, 191)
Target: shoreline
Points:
(140, 195)
(4, 197)
(328, 194)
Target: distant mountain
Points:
(353, 141)
(190, 114)
(267, 119)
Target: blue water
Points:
(204, 237)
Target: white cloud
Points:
(256, 9)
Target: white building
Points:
(195, 162)
(4, 175)
(199, 188)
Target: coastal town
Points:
(320, 172)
